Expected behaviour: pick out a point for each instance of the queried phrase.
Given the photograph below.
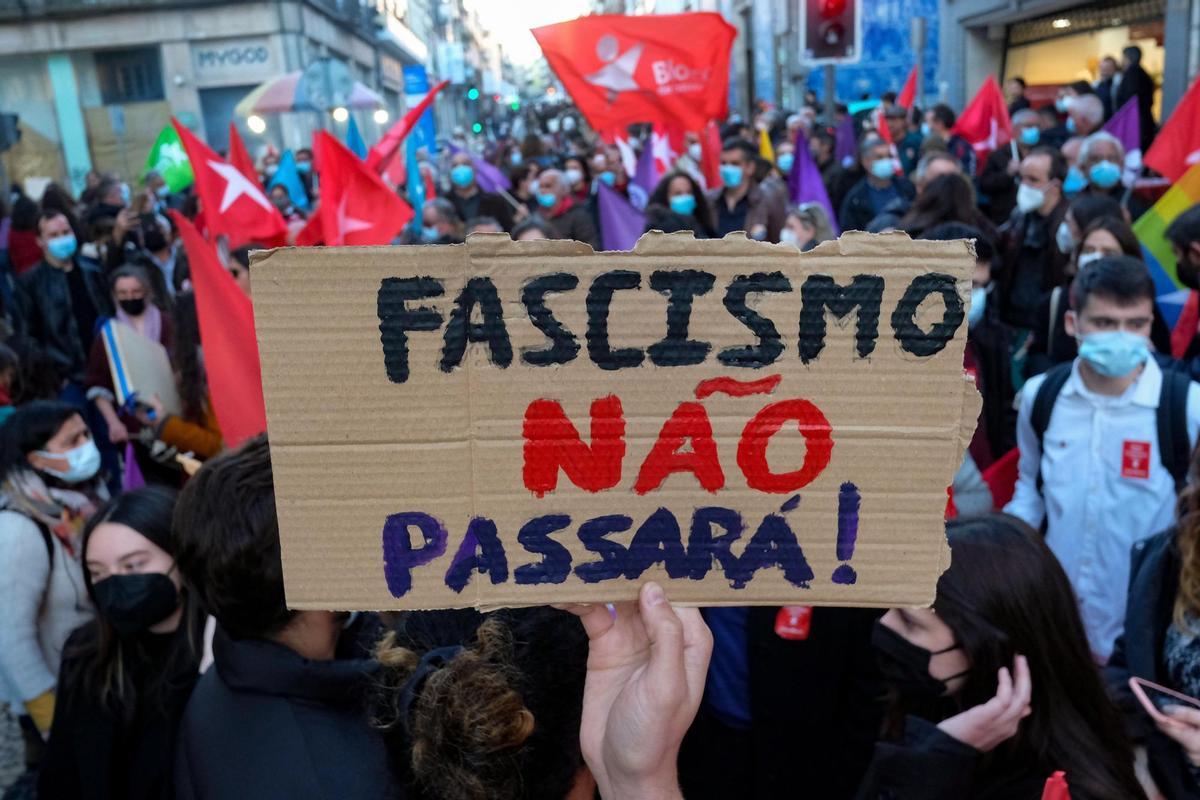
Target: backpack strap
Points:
(1043, 406)
(1174, 445)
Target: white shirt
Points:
(1104, 487)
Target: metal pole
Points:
(918, 46)
(830, 91)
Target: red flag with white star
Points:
(357, 207)
(234, 205)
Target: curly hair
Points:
(499, 720)
(1187, 539)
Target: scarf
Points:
(64, 511)
(151, 321)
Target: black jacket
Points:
(45, 300)
(264, 722)
(1153, 586)
(1041, 263)
(1136, 82)
(856, 213)
(998, 186)
(928, 764)
(483, 204)
(94, 755)
(817, 706)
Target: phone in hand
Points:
(1155, 699)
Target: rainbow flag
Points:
(1151, 229)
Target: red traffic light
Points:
(831, 8)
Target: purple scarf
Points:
(151, 321)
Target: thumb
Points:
(665, 632)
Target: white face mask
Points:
(1087, 258)
(1064, 238)
(695, 151)
(788, 236)
(83, 462)
(573, 176)
(1030, 199)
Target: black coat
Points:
(45, 300)
(998, 186)
(483, 204)
(266, 723)
(1136, 82)
(94, 755)
(1045, 263)
(856, 213)
(817, 707)
(1153, 586)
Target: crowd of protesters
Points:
(146, 650)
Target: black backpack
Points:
(1174, 448)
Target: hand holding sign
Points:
(647, 664)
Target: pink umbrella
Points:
(290, 93)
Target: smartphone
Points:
(1155, 698)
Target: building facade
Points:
(94, 81)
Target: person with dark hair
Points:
(681, 194)
(491, 713)
(440, 223)
(740, 204)
(239, 266)
(806, 226)
(533, 228)
(1160, 644)
(948, 198)
(1033, 265)
(134, 299)
(1137, 83)
(908, 143)
(579, 177)
(55, 197)
(126, 675)
(24, 250)
(1082, 211)
(1183, 234)
(64, 298)
(939, 124)
(49, 488)
(879, 188)
(1106, 85)
(195, 430)
(1108, 471)
(1014, 95)
(822, 145)
(280, 714)
(998, 182)
(483, 225)
(469, 200)
(523, 177)
(1104, 236)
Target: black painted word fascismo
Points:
(401, 313)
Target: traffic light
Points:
(477, 128)
(472, 93)
(831, 31)
(515, 105)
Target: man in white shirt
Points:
(1097, 476)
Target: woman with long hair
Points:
(947, 198)
(1161, 644)
(681, 193)
(993, 689)
(49, 488)
(126, 675)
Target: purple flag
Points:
(805, 183)
(845, 148)
(647, 176)
(132, 477)
(1126, 126)
(620, 223)
(488, 176)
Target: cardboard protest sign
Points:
(140, 367)
(510, 423)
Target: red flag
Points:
(710, 153)
(908, 94)
(1056, 787)
(671, 68)
(1185, 327)
(227, 335)
(239, 157)
(311, 234)
(389, 145)
(357, 207)
(1001, 478)
(234, 205)
(1177, 146)
(984, 122)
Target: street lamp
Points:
(381, 116)
(340, 114)
(256, 124)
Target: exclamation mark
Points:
(848, 502)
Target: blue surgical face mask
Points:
(1104, 174)
(62, 247)
(979, 297)
(83, 462)
(515, 158)
(304, 166)
(1114, 354)
(683, 204)
(462, 175)
(1075, 182)
(430, 233)
(883, 168)
(125, 194)
(1071, 125)
(1030, 136)
(163, 191)
(547, 199)
(731, 176)
(785, 162)
(608, 177)
(925, 131)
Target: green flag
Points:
(169, 159)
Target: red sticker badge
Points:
(1135, 459)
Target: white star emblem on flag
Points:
(236, 185)
(348, 224)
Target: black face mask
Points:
(905, 666)
(132, 603)
(133, 307)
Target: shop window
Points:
(129, 76)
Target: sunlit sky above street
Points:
(510, 21)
